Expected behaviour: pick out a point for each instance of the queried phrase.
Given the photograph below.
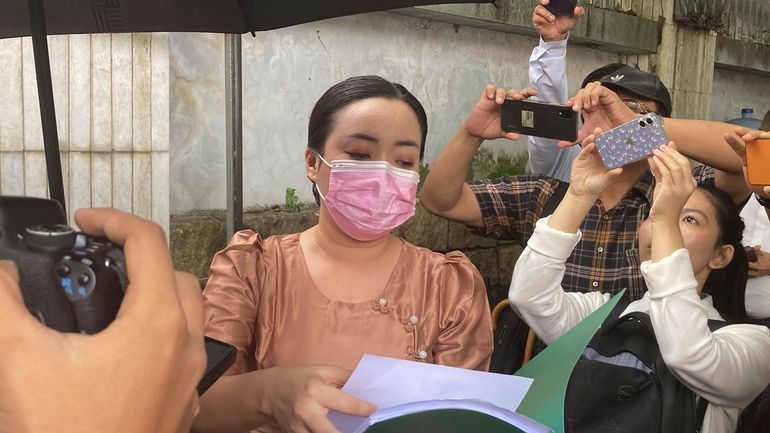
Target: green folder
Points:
(541, 410)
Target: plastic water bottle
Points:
(746, 120)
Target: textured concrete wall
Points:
(734, 90)
(285, 71)
(111, 96)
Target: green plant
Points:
(291, 201)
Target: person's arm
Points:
(445, 192)
(728, 367)
(737, 184)
(466, 337)
(542, 302)
(140, 374)
(547, 74)
(297, 398)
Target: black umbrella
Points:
(38, 18)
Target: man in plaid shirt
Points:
(607, 257)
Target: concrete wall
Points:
(285, 71)
(734, 90)
(111, 95)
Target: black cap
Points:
(640, 83)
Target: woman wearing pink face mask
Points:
(302, 309)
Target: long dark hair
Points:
(727, 286)
(354, 89)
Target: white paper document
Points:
(389, 382)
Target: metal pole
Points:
(45, 99)
(233, 133)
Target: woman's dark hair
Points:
(727, 286)
(354, 89)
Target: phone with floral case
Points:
(631, 141)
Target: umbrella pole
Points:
(233, 133)
(45, 98)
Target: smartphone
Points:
(751, 254)
(631, 141)
(219, 357)
(758, 161)
(562, 7)
(539, 119)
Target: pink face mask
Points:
(367, 199)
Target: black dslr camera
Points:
(70, 281)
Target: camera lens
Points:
(565, 114)
(649, 121)
(641, 123)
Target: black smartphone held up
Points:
(562, 7)
(219, 357)
(539, 119)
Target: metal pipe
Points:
(233, 133)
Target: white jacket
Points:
(728, 367)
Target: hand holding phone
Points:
(758, 161)
(751, 253)
(631, 141)
(539, 119)
(562, 7)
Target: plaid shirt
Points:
(607, 257)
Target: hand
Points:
(589, 177)
(761, 267)
(601, 108)
(551, 27)
(674, 183)
(302, 397)
(138, 374)
(738, 142)
(484, 120)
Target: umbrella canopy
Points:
(211, 16)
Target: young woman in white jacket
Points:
(694, 268)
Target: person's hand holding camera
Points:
(137, 375)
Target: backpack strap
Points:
(555, 198)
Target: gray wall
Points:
(734, 90)
(285, 71)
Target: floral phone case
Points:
(631, 141)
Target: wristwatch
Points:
(765, 202)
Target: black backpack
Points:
(621, 383)
(510, 336)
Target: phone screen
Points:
(562, 7)
(219, 357)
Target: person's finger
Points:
(682, 164)
(9, 267)
(342, 402)
(317, 421)
(766, 190)
(191, 300)
(543, 13)
(596, 94)
(529, 91)
(655, 168)
(500, 95)
(148, 261)
(512, 135)
(489, 91)
(579, 11)
(668, 168)
(737, 144)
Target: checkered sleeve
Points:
(510, 206)
(704, 174)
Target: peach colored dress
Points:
(261, 299)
